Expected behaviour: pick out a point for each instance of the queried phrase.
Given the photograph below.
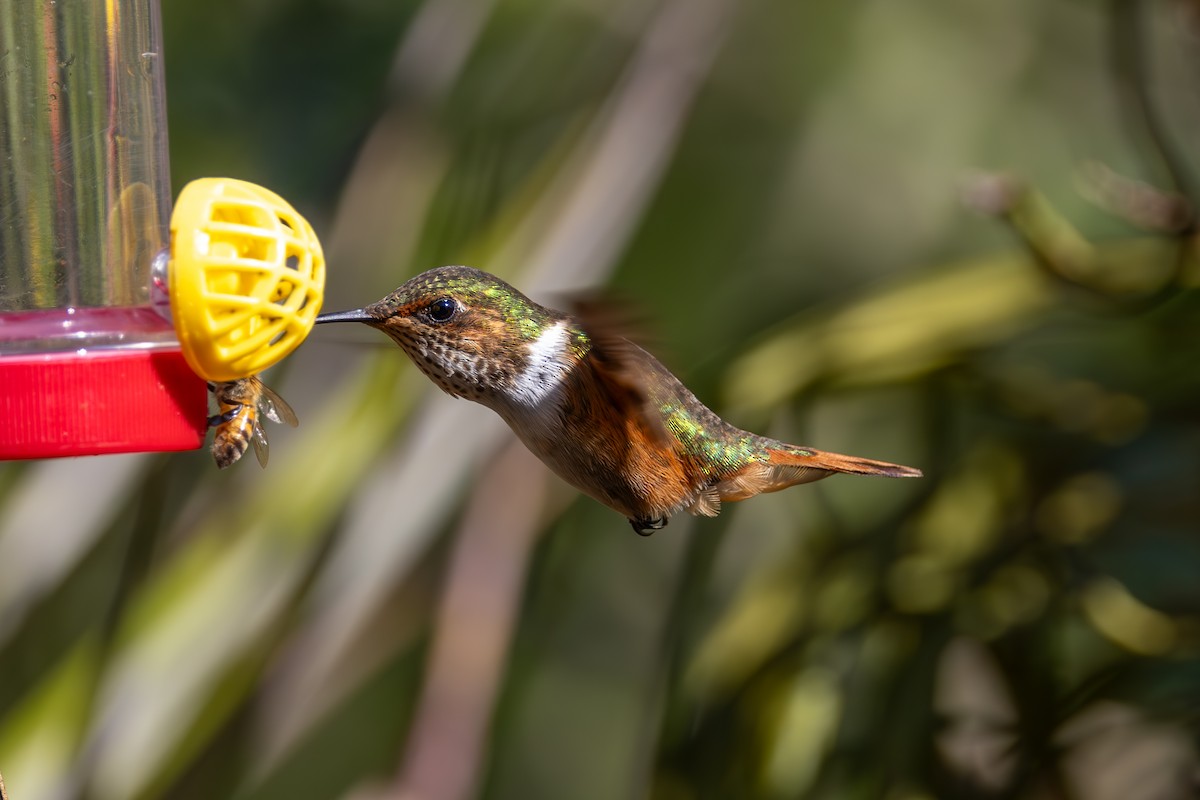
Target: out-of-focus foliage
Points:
(406, 605)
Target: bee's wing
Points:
(276, 408)
(258, 437)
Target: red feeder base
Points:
(101, 401)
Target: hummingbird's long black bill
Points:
(356, 315)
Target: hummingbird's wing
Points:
(625, 370)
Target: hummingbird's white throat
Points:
(546, 366)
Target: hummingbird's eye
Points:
(442, 309)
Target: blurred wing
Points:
(624, 369)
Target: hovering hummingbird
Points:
(597, 409)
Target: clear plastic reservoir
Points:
(84, 206)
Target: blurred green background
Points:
(407, 605)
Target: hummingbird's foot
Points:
(647, 527)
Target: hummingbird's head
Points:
(472, 334)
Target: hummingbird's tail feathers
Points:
(836, 462)
(788, 466)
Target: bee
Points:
(241, 405)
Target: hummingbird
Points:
(597, 409)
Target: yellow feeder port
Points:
(246, 277)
